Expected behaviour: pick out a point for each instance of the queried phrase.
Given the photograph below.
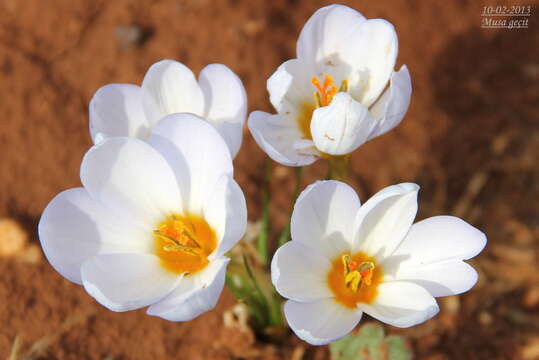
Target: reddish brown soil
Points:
(471, 139)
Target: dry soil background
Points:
(470, 139)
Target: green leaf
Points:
(398, 348)
(241, 287)
(370, 343)
(262, 240)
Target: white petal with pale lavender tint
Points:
(431, 255)
(320, 322)
(75, 227)
(194, 295)
(225, 211)
(116, 110)
(277, 135)
(323, 217)
(131, 178)
(123, 282)
(225, 103)
(300, 273)
(196, 152)
(385, 219)
(170, 87)
(390, 108)
(402, 304)
(342, 126)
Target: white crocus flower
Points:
(170, 87)
(152, 221)
(339, 92)
(346, 259)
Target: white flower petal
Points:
(130, 177)
(276, 135)
(441, 278)
(290, 88)
(402, 304)
(431, 254)
(194, 295)
(225, 103)
(299, 273)
(385, 219)
(74, 227)
(226, 212)
(323, 217)
(196, 152)
(342, 126)
(170, 87)
(320, 322)
(392, 105)
(440, 238)
(327, 33)
(116, 110)
(372, 51)
(123, 282)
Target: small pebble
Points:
(12, 237)
(485, 318)
(531, 298)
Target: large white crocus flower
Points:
(152, 221)
(346, 259)
(170, 87)
(339, 92)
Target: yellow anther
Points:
(353, 280)
(355, 276)
(346, 262)
(174, 247)
(344, 86)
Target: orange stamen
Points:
(184, 242)
(366, 277)
(326, 92)
(353, 279)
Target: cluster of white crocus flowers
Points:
(159, 207)
(339, 92)
(152, 221)
(169, 87)
(346, 259)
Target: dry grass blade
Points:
(40, 347)
(15, 348)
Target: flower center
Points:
(183, 243)
(324, 94)
(354, 279)
(327, 91)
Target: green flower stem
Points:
(338, 168)
(285, 234)
(262, 240)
